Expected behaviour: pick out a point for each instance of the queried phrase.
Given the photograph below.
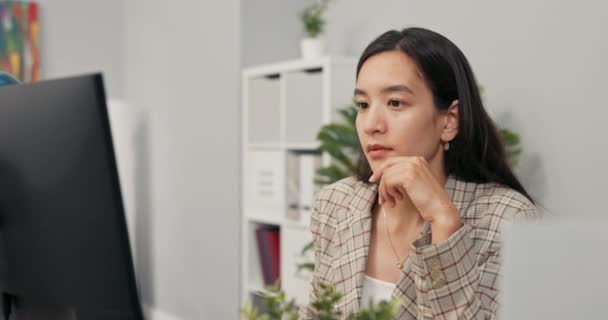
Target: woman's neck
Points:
(403, 218)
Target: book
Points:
(307, 187)
(301, 188)
(263, 255)
(274, 253)
(293, 186)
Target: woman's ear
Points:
(451, 121)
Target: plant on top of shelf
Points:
(313, 21)
(312, 18)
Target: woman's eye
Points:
(395, 103)
(362, 105)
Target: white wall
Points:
(270, 30)
(182, 67)
(82, 37)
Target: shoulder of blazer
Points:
(492, 209)
(489, 208)
(501, 201)
(335, 195)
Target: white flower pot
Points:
(311, 48)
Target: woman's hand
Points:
(412, 177)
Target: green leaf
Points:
(326, 300)
(330, 174)
(307, 248)
(509, 137)
(513, 149)
(333, 149)
(344, 134)
(310, 266)
(349, 114)
(248, 312)
(383, 310)
(341, 142)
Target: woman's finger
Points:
(402, 192)
(391, 202)
(397, 191)
(392, 192)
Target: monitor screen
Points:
(63, 233)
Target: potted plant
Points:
(312, 18)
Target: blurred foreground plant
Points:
(277, 307)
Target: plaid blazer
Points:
(454, 279)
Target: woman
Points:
(421, 221)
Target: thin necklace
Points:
(400, 262)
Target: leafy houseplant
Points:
(277, 307)
(341, 142)
(312, 19)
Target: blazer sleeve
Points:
(458, 278)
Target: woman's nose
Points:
(374, 120)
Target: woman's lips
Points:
(379, 153)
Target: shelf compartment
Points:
(265, 184)
(303, 106)
(300, 176)
(263, 110)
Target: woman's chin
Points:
(376, 163)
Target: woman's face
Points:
(397, 112)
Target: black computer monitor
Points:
(64, 245)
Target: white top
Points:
(376, 290)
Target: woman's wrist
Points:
(445, 225)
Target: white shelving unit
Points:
(283, 107)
